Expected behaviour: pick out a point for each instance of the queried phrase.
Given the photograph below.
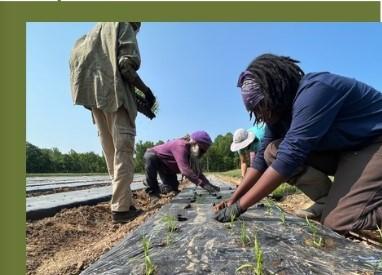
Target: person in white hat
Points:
(247, 143)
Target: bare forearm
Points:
(250, 178)
(243, 169)
(268, 182)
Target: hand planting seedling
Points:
(149, 266)
(256, 268)
(244, 236)
(317, 240)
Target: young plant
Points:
(269, 206)
(231, 222)
(258, 252)
(256, 268)
(149, 266)
(282, 217)
(317, 240)
(244, 237)
(170, 223)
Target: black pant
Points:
(153, 167)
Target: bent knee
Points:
(271, 151)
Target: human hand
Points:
(229, 213)
(221, 205)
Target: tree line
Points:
(38, 160)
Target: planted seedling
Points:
(282, 217)
(244, 236)
(317, 240)
(231, 221)
(257, 267)
(170, 223)
(269, 206)
(149, 266)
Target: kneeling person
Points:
(180, 155)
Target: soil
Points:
(74, 238)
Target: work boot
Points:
(125, 216)
(210, 187)
(312, 212)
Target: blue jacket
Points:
(330, 112)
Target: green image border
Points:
(13, 19)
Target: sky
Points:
(192, 68)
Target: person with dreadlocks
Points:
(317, 124)
(181, 155)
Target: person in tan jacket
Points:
(103, 67)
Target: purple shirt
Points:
(175, 155)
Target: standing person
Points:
(247, 143)
(317, 125)
(103, 68)
(181, 155)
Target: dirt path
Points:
(74, 238)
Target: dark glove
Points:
(210, 187)
(230, 213)
(150, 98)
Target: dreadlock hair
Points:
(278, 77)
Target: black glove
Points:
(229, 213)
(150, 98)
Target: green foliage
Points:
(170, 224)
(317, 240)
(244, 236)
(236, 173)
(284, 190)
(140, 149)
(219, 156)
(53, 161)
(149, 266)
(282, 217)
(256, 267)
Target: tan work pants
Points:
(354, 200)
(117, 138)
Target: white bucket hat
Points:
(241, 139)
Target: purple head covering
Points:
(251, 91)
(202, 138)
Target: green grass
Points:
(64, 174)
(232, 173)
(283, 190)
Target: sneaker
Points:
(125, 216)
(210, 187)
(312, 212)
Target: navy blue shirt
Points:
(330, 112)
